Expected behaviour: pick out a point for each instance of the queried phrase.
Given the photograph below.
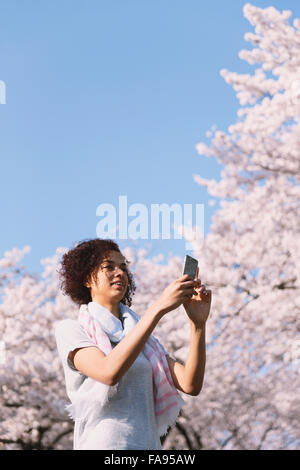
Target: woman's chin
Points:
(118, 295)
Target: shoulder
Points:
(67, 324)
(70, 335)
(68, 328)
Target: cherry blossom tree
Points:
(250, 260)
(251, 256)
(32, 399)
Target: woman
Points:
(121, 382)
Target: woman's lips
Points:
(118, 286)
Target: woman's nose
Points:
(118, 270)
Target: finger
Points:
(194, 282)
(192, 294)
(187, 277)
(184, 277)
(199, 287)
(189, 293)
(189, 288)
(206, 293)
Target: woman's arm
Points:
(188, 378)
(93, 363)
(109, 369)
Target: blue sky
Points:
(110, 98)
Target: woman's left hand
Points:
(198, 306)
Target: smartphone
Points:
(190, 266)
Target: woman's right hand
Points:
(176, 293)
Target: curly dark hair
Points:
(80, 264)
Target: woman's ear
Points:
(87, 283)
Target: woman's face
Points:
(112, 270)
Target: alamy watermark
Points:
(146, 224)
(2, 92)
